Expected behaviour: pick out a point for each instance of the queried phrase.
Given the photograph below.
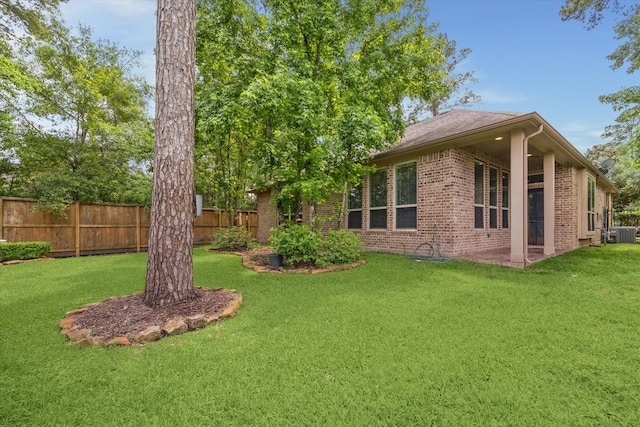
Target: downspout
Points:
(525, 191)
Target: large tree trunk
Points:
(170, 265)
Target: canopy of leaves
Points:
(312, 89)
(626, 102)
(80, 130)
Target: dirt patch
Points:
(127, 316)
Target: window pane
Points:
(406, 184)
(493, 218)
(493, 187)
(479, 217)
(479, 184)
(406, 218)
(378, 218)
(505, 218)
(355, 197)
(534, 179)
(505, 190)
(355, 220)
(378, 188)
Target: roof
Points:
(488, 130)
(447, 125)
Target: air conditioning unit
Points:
(623, 234)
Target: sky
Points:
(524, 57)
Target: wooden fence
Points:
(91, 229)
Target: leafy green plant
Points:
(24, 250)
(232, 239)
(339, 247)
(296, 243)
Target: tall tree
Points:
(81, 130)
(455, 93)
(228, 58)
(170, 264)
(323, 86)
(626, 102)
(20, 20)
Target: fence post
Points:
(1, 217)
(77, 206)
(138, 231)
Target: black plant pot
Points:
(275, 260)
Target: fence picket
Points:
(91, 228)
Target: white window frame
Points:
(591, 204)
(395, 197)
(484, 194)
(505, 207)
(376, 208)
(494, 207)
(350, 209)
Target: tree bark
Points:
(170, 264)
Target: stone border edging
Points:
(247, 263)
(175, 326)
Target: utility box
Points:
(623, 234)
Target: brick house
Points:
(476, 181)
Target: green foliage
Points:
(305, 92)
(232, 239)
(339, 247)
(80, 131)
(298, 244)
(626, 130)
(24, 250)
(295, 242)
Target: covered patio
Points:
(502, 256)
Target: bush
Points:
(296, 243)
(24, 250)
(339, 247)
(232, 239)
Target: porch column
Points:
(549, 203)
(519, 198)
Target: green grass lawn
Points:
(394, 342)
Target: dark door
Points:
(536, 216)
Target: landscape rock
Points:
(196, 322)
(76, 335)
(175, 326)
(152, 333)
(68, 322)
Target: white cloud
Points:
(491, 96)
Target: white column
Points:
(549, 203)
(519, 198)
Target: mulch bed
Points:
(128, 315)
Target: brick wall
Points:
(267, 216)
(445, 207)
(445, 199)
(566, 208)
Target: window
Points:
(505, 200)
(479, 196)
(406, 196)
(493, 198)
(378, 199)
(591, 204)
(354, 219)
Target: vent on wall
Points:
(623, 234)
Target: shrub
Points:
(232, 239)
(24, 250)
(296, 243)
(339, 247)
